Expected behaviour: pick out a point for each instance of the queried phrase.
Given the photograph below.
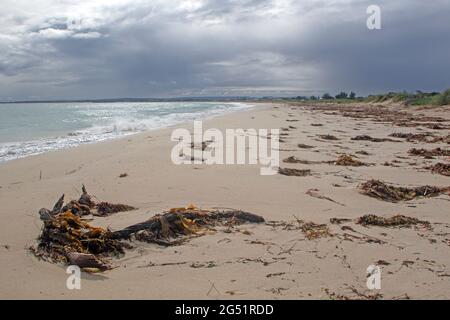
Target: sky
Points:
(170, 48)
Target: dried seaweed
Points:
(304, 146)
(328, 137)
(399, 221)
(441, 168)
(369, 138)
(348, 160)
(84, 206)
(313, 230)
(294, 159)
(66, 238)
(412, 137)
(382, 191)
(437, 152)
(66, 233)
(294, 172)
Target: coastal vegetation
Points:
(417, 98)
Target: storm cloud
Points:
(171, 48)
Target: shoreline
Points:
(253, 261)
(249, 107)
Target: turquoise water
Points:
(33, 128)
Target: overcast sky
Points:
(167, 48)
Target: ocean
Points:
(33, 128)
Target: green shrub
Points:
(442, 99)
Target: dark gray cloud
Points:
(124, 48)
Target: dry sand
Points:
(261, 261)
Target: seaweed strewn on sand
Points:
(437, 152)
(441, 168)
(294, 172)
(399, 220)
(382, 191)
(66, 238)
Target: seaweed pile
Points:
(371, 139)
(437, 152)
(67, 238)
(412, 137)
(64, 235)
(83, 206)
(304, 146)
(441, 168)
(382, 191)
(313, 230)
(399, 220)
(294, 172)
(328, 137)
(348, 160)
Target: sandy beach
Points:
(272, 260)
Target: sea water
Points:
(32, 128)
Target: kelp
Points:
(441, 168)
(382, 191)
(399, 221)
(84, 206)
(305, 146)
(294, 172)
(313, 230)
(348, 160)
(437, 152)
(413, 137)
(328, 137)
(371, 139)
(67, 238)
(66, 233)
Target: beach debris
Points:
(66, 233)
(294, 172)
(412, 137)
(314, 231)
(339, 220)
(443, 139)
(66, 238)
(398, 220)
(328, 137)
(294, 159)
(315, 193)
(106, 208)
(304, 146)
(440, 168)
(429, 154)
(349, 160)
(382, 191)
(316, 124)
(178, 223)
(369, 138)
(85, 206)
(123, 175)
(87, 260)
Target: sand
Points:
(268, 261)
